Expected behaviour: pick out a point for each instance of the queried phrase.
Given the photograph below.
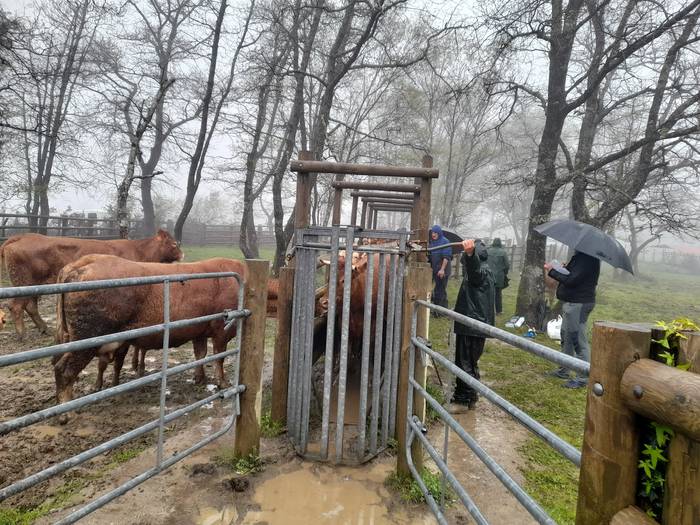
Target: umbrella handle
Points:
(436, 247)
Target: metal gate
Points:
(162, 463)
(344, 358)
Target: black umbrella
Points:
(454, 238)
(589, 240)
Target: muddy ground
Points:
(199, 489)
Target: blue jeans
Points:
(574, 337)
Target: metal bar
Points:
(363, 215)
(523, 497)
(47, 289)
(106, 498)
(308, 320)
(345, 328)
(461, 493)
(237, 361)
(330, 341)
(445, 449)
(549, 437)
(387, 349)
(378, 201)
(361, 248)
(164, 370)
(325, 231)
(421, 484)
(73, 461)
(94, 342)
(293, 360)
(378, 339)
(364, 372)
(377, 207)
(378, 170)
(14, 424)
(301, 351)
(380, 186)
(353, 211)
(398, 312)
(577, 365)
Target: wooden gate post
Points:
(608, 478)
(251, 358)
(353, 211)
(417, 285)
(363, 214)
(682, 495)
(280, 367)
(302, 208)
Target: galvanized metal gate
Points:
(343, 374)
(163, 461)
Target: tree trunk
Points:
(149, 213)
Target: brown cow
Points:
(33, 259)
(2, 318)
(97, 312)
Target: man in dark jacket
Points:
(440, 262)
(498, 262)
(475, 300)
(576, 292)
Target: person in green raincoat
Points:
(499, 264)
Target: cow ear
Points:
(162, 234)
(325, 262)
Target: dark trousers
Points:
(440, 290)
(499, 300)
(468, 350)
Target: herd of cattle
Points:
(34, 259)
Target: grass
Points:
(197, 253)
(242, 465)
(408, 490)
(269, 427)
(520, 377)
(27, 516)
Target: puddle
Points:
(322, 494)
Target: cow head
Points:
(359, 265)
(168, 249)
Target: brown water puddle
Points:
(315, 493)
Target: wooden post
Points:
(420, 218)
(337, 204)
(280, 366)
(682, 495)
(302, 209)
(353, 211)
(416, 286)
(608, 478)
(252, 358)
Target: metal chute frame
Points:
(327, 435)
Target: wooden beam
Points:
(373, 170)
(380, 194)
(252, 358)
(663, 394)
(417, 285)
(632, 516)
(608, 476)
(378, 186)
(353, 210)
(389, 200)
(682, 494)
(280, 365)
(337, 206)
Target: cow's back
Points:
(99, 312)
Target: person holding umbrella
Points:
(440, 256)
(578, 280)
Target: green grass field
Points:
(197, 253)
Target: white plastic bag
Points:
(554, 329)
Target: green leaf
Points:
(663, 433)
(655, 455)
(646, 466)
(685, 367)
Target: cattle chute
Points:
(344, 363)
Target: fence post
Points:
(416, 286)
(280, 366)
(251, 358)
(682, 494)
(608, 478)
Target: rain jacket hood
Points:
(436, 256)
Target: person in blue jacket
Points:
(440, 263)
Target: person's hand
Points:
(547, 267)
(441, 274)
(468, 246)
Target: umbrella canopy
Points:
(453, 237)
(589, 240)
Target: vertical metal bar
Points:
(237, 359)
(330, 340)
(445, 446)
(388, 350)
(308, 320)
(294, 358)
(366, 333)
(411, 373)
(301, 351)
(398, 311)
(378, 334)
(164, 368)
(345, 328)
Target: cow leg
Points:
(135, 360)
(102, 363)
(142, 362)
(17, 310)
(66, 369)
(32, 308)
(119, 357)
(200, 352)
(220, 346)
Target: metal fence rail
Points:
(158, 424)
(415, 429)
